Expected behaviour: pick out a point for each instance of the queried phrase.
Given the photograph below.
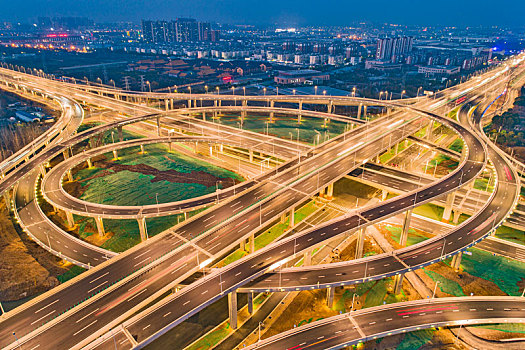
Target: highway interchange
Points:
(172, 256)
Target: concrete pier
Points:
(232, 308)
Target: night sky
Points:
(280, 12)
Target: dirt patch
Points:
(388, 235)
(25, 268)
(307, 306)
(199, 177)
(491, 334)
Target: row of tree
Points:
(15, 136)
(507, 128)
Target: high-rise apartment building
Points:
(391, 48)
(181, 30)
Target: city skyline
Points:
(290, 13)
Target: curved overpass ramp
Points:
(372, 323)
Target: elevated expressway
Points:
(372, 323)
(163, 246)
(197, 252)
(217, 283)
(62, 244)
(22, 171)
(386, 320)
(177, 307)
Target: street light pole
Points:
(260, 323)
(353, 299)
(435, 287)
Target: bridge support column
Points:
(120, 135)
(360, 242)
(397, 148)
(384, 195)
(143, 229)
(171, 103)
(65, 154)
(232, 307)
(307, 258)
(398, 283)
(330, 191)
(69, 176)
(141, 149)
(250, 303)
(406, 227)
(42, 170)
(283, 218)
(189, 103)
(251, 156)
(115, 154)
(252, 243)
(457, 214)
(243, 245)
(166, 104)
(456, 261)
(448, 206)
(330, 106)
(272, 103)
(100, 226)
(88, 162)
(429, 130)
(359, 110)
(70, 219)
(204, 116)
(330, 296)
(299, 115)
(158, 126)
(292, 217)
(185, 215)
(364, 112)
(321, 193)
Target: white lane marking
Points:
(92, 312)
(84, 327)
(32, 323)
(138, 256)
(97, 286)
(51, 303)
(140, 262)
(136, 295)
(99, 277)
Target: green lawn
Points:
(415, 340)
(73, 271)
(446, 285)
(507, 274)
(511, 234)
(133, 188)
(457, 145)
(288, 128)
(413, 236)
